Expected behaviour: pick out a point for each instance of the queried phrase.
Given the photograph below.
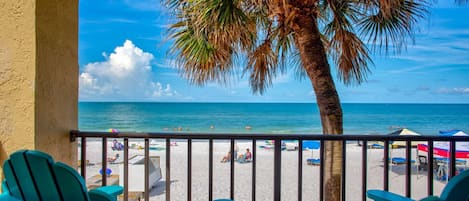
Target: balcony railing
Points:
(277, 165)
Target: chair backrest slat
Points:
(11, 180)
(71, 184)
(21, 170)
(43, 174)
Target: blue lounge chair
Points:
(455, 190)
(33, 175)
(400, 161)
(313, 161)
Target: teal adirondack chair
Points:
(456, 190)
(33, 176)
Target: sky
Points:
(123, 56)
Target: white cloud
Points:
(454, 90)
(124, 75)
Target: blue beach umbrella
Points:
(310, 144)
(453, 133)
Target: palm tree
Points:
(210, 37)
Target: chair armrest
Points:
(113, 190)
(5, 186)
(379, 195)
(97, 195)
(7, 197)
(431, 198)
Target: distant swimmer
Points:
(248, 127)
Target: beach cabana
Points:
(442, 149)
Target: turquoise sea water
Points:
(268, 117)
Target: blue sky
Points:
(123, 57)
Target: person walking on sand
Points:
(226, 158)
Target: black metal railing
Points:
(278, 138)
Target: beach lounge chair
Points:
(136, 173)
(33, 175)
(313, 161)
(400, 161)
(455, 190)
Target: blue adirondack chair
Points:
(455, 190)
(33, 176)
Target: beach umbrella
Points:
(403, 132)
(311, 145)
(453, 133)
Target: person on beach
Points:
(226, 158)
(112, 159)
(117, 145)
(246, 157)
(236, 148)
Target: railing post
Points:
(126, 169)
(210, 169)
(408, 170)
(344, 162)
(168, 169)
(277, 169)
(104, 164)
(83, 157)
(232, 161)
(321, 170)
(300, 170)
(452, 163)
(364, 168)
(147, 169)
(430, 168)
(386, 165)
(189, 169)
(253, 185)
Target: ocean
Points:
(271, 118)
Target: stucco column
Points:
(38, 77)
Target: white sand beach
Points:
(264, 173)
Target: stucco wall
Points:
(38, 76)
(17, 75)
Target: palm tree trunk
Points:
(313, 56)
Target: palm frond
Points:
(351, 56)
(262, 67)
(391, 24)
(297, 64)
(197, 59)
(346, 49)
(226, 22)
